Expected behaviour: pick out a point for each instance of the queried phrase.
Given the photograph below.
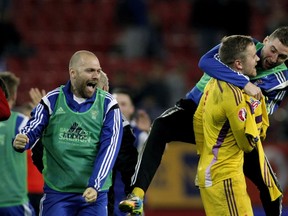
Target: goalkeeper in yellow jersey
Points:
(220, 126)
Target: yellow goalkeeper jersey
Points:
(219, 125)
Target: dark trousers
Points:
(253, 172)
(175, 124)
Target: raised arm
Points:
(211, 65)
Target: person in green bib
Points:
(81, 129)
(13, 166)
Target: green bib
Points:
(71, 143)
(13, 166)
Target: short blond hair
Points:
(103, 81)
(11, 81)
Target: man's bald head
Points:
(77, 58)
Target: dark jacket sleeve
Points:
(37, 154)
(127, 157)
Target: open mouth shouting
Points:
(90, 88)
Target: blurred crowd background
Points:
(150, 46)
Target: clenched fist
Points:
(90, 195)
(20, 141)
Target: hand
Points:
(90, 195)
(36, 96)
(143, 121)
(253, 90)
(20, 141)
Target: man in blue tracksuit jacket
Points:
(81, 129)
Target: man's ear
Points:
(106, 88)
(266, 39)
(72, 72)
(13, 99)
(238, 64)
